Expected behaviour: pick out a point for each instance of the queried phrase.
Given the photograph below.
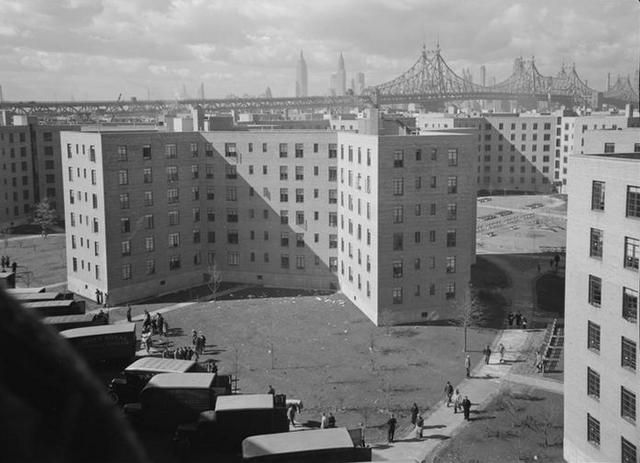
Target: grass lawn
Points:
(40, 261)
(487, 275)
(519, 424)
(550, 294)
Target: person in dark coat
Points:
(331, 421)
(129, 313)
(466, 407)
(392, 428)
(414, 413)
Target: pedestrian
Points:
(392, 428)
(556, 259)
(510, 318)
(165, 327)
(331, 421)
(106, 300)
(194, 337)
(501, 350)
(202, 342)
(129, 313)
(487, 354)
(291, 414)
(448, 391)
(146, 323)
(467, 365)
(414, 413)
(323, 421)
(14, 267)
(154, 324)
(2, 259)
(362, 430)
(524, 323)
(466, 407)
(159, 324)
(457, 401)
(538, 361)
(419, 426)
(518, 319)
(271, 390)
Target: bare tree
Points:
(468, 315)
(44, 216)
(215, 280)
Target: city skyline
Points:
(97, 50)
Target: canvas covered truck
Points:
(68, 322)
(234, 418)
(55, 308)
(169, 399)
(104, 342)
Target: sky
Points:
(99, 49)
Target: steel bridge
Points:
(429, 81)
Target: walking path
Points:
(440, 423)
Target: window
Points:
(125, 225)
(451, 290)
(126, 271)
(174, 240)
(398, 241)
(195, 171)
(231, 193)
(193, 147)
(122, 153)
(230, 150)
(208, 171)
(396, 294)
(149, 244)
(629, 451)
(172, 174)
(631, 253)
(630, 305)
(595, 291)
(593, 336)
(299, 147)
(148, 198)
(633, 201)
(417, 236)
(211, 237)
(452, 157)
(451, 264)
(609, 147)
(232, 215)
(300, 262)
(299, 217)
(628, 353)
(593, 430)
(593, 383)
(451, 238)
(284, 260)
(452, 211)
(124, 201)
(300, 240)
(627, 404)
(230, 172)
(232, 237)
(174, 217)
(398, 186)
(284, 195)
(595, 248)
(398, 214)
(284, 239)
(170, 151)
(172, 196)
(147, 175)
(597, 196)
(300, 195)
(146, 152)
(398, 158)
(452, 184)
(150, 267)
(174, 262)
(397, 268)
(123, 177)
(284, 148)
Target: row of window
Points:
(627, 346)
(398, 239)
(628, 451)
(486, 180)
(22, 137)
(397, 293)
(627, 397)
(397, 266)
(629, 299)
(631, 259)
(545, 169)
(632, 205)
(399, 158)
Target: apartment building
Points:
(150, 212)
(30, 169)
(601, 319)
(621, 140)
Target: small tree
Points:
(215, 280)
(44, 216)
(468, 314)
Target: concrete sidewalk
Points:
(440, 423)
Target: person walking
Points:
(524, 323)
(487, 354)
(331, 421)
(392, 428)
(510, 317)
(272, 391)
(129, 313)
(457, 401)
(291, 414)
(467, 365)
(160, 324)
(518, 319)
(419, 426)
(448, 391)
(414, 413)
(466, 407)
(323, 421)
(501, 350)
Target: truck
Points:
(104, 342)
(126, 387)
(67, 322)
(234, 418)
(55, 308)
(333, 445)
(169, 399)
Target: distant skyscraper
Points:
(359, 83)
(201, 91)
(267, 93)
(341, 78)
(483, 75)
(301, 77)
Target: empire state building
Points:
(301, 77)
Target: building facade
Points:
(151, 212)
(601, 310)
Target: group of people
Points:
(327, 421)
(155, 325)
(198, 341)
(517, 318)
(459, 402)
(6, 263)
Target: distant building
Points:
(301, 77)
(601, 333)
(388, 219)
(341, 78)
(360, 83)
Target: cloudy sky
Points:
(97, 49)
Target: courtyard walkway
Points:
(440, 423)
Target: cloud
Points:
(244, 46)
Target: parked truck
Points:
(104, 342)
(234, 418)
(68, 322)
(169, 399)
(55, 307)
(126, 387)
